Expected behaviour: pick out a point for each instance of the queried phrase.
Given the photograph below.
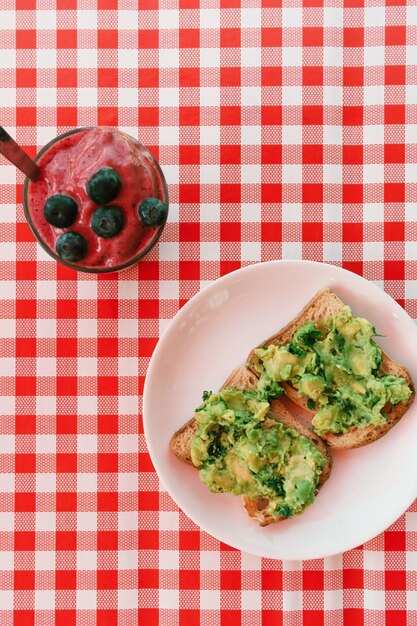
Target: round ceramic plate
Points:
(369, 488)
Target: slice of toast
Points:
(242, 378)
(324, 305)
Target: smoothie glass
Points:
(87, 224)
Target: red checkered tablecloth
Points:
(286, 129)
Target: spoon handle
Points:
(14, 153)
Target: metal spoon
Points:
(14, 153)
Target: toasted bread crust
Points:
(324, 305)
(243, 378)
(258, 510)
(180, 443)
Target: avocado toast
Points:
(328, 363)
(254, 448)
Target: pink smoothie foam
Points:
(66, 167)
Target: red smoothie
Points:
(69, 167)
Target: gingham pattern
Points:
(286, 130)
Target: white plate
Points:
(369, 488)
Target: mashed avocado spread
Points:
(336, 367)
(239, 448)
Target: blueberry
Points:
(60, 210)
(153, 211)
(104, 185)
(71, 247)
(107, 221)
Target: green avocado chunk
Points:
(337, 368)
(239, 448)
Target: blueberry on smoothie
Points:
(104, 185)
(60, 210)
(71, 247)
(107, 221)
(152, 212)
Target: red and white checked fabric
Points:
(286, 129)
